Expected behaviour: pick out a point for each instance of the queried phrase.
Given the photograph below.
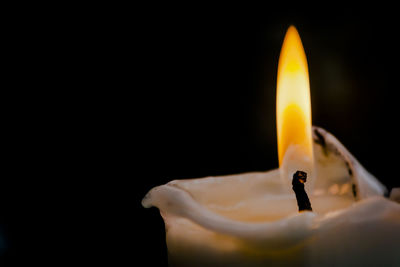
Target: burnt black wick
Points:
(299, 178)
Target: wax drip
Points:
(299, 178)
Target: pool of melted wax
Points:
(261, 197)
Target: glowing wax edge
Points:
(175, 201)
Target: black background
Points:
(142, 95)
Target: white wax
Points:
(253, 220)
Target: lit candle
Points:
(252, 219)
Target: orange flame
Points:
(293, 105)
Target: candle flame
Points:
(293, 105)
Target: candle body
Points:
(344, 241)
(252, 219)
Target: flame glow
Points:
(293, 105)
